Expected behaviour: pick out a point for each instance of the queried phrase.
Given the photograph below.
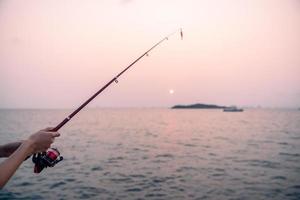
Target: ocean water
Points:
(161, 154)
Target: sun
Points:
(171, 91)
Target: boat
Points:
(233, 109)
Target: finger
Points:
(48, 129)
(41, 150)
(47, 146)
(55, 134)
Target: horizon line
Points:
(134, 107)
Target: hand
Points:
(38, 142)
(42, 140)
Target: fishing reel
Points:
(46, 159)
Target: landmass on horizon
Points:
(198, 106)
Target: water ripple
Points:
(162, 154)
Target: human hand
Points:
(41, 140)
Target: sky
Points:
(55, 54)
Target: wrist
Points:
(28, 146)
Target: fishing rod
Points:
(52, 156)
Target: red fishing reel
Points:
(46, 159)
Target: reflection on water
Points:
(161, 154)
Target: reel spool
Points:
(46, 159)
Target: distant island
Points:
(198, 106)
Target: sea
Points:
(161, 153)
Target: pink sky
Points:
(55, 54)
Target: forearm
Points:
(7, 149)
(11, 164)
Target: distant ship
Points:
(233, 109)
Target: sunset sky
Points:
(55, 54)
